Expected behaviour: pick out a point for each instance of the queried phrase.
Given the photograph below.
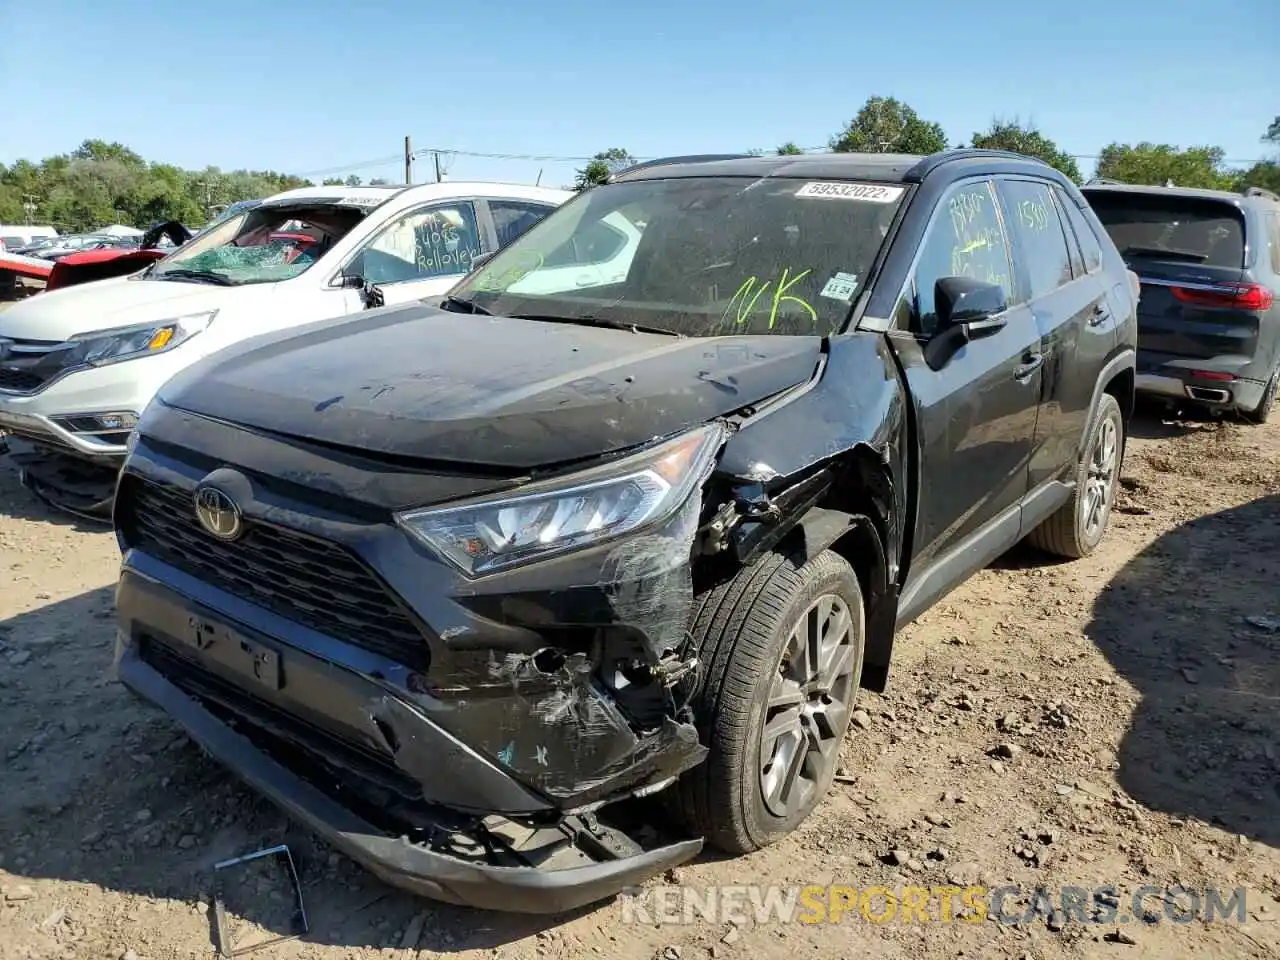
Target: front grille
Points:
(310, 581)
(30, 364)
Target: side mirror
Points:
(351, 281)
(974, 307)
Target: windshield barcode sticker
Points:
(870, 192)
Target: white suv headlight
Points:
(571, 512)
(101, 347)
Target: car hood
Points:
(116, 302)
(493, 392)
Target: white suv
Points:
(78, 365)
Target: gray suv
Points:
(1209, 263)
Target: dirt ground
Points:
(1131, 698)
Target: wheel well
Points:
(866, 496)
(1121, 387)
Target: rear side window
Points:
(1179, 229)
(1088, 240)
(1036, 233)
(513, 217)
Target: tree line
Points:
(103, 182)
(887, 125)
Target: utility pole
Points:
(208, 194)
(29, 206)
(408, 162)
(436, 154)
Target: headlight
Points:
(569, 513)
(125, 343)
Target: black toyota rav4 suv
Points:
(636, 511)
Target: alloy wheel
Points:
(809, 705)
(1100, 483)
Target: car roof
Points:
(890, 167)
(408, 195)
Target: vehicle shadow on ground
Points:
(1193, 623)
(97, 787)
(1156, 420)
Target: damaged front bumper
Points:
(73, 472)
(396, 860)
(226, 686)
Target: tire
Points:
(1262, 412)
(744, 631)
(1068, 532)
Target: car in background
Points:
(88, 243)
(78, 364)
(1209, 265)
(635, 511)
(13, 238)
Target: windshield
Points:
(265, 244)
(701, 257)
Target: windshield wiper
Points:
(469, 306)
(590, 321)
(1165, 252)
(208, 276)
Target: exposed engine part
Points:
(715, 535)
(670, 670)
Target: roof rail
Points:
(690, 158)
(1261, 192)
(930, 163)
(1105, 182)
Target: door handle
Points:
(1032, 363)
(1099, 315)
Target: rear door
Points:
(1067, 298)
(1189, 254)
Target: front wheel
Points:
(1077, 528)
(781, 646)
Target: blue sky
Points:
(326, 87)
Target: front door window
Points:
(436, 241)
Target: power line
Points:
(540, 157)
(358, 165)
(821, 148)
(566, 158)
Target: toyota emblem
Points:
(218, 513)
